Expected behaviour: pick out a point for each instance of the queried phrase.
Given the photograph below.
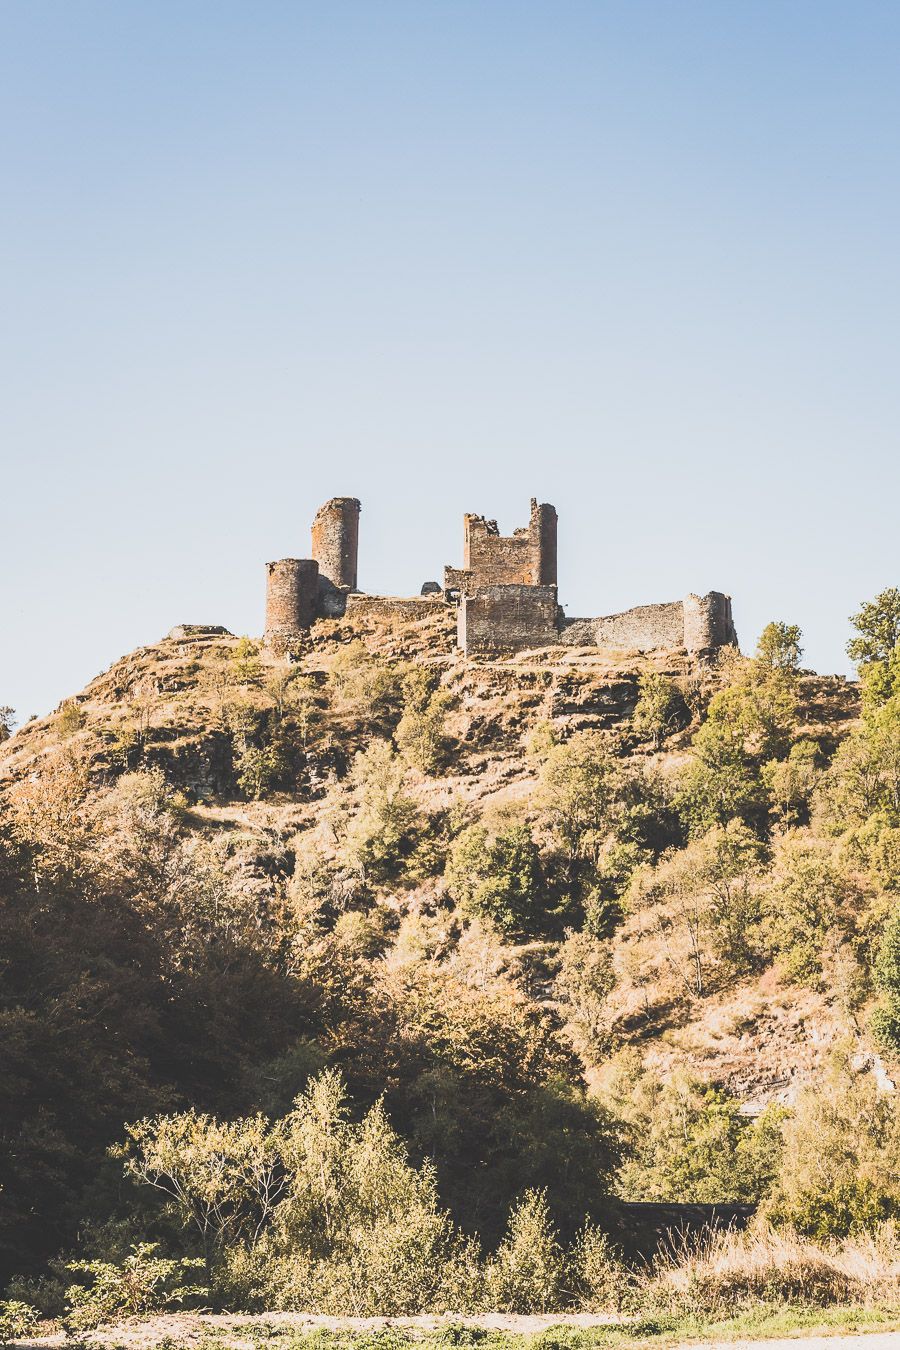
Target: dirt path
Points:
(241, 1331)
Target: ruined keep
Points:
(505, 594)
(527, 557)
(335, 547)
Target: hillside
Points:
(548, 906)
(761, 1039)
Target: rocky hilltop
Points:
(201, 705)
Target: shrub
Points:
(244, 666)
(660, 708)
(143, 1283)
(526, 1273)
(499, 878)
(791, 782)
(386, 823)
(886, 1020)
(599, 1281)
(808, 904)
(584, 980)
(748, 722)
(72, 718)
(17, 1319)
(838, 1174)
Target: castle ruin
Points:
(505, 594)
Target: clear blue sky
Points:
(639, 259)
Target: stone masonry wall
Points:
(392, 606)
(500, 619)
(708, 623)
(642, 629)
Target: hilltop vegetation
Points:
(375, 981)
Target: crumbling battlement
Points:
(505, 592)
(527, 557)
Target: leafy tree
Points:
(386, 822)
(578, 784)
(838, 1174)
(583, 983)
(244, 664)
(887, 981)
(498, 877)
(791, 782)
(864, 776)
(332, 1213)
(221, 1179)
(748, 722)
(779, 648)
(878, 628)
(420, 734)
(690, 1142)
(809, 904)
(660, 708)
(707, 904)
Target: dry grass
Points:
(734, 1270)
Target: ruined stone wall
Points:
(392, 606)
(697, 623)
(335, 541)
(292, 588)
(645, 628)
(527, 557)
(501, 619)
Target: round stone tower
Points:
(335, 541)
(292, 592)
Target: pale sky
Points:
(638, 259)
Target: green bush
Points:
(17, 1319)
(498, 877)
(660, 708)
(71, 718)
(526, 1274)
(386, 823)
(143, 1283)
(597, 1276)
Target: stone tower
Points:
(292, 594)
(335, 546)
(335, 540)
